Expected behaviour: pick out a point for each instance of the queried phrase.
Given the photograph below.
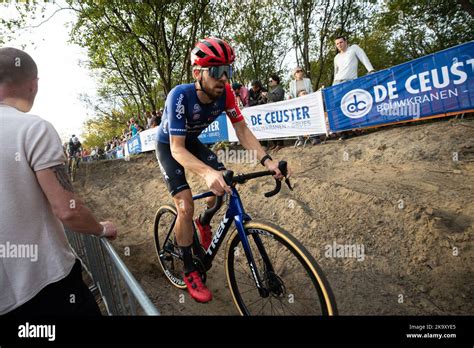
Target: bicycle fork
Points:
(263, 291)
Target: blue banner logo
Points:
(432, 86)
(356, 103)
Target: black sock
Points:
(188, 259)
(205, 218)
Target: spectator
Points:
(275, 94)
(154, 122)
(346, 61)
(133, 128)
(257, 95)
(302, 93)
(159, 116)
(298, 87)
(299, 83)
(43, 286)
(241, 95)
(100, 153)
(148, 119)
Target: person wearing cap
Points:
(241, 95)
(299, 83)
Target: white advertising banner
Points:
(288, 118)
(148, 139)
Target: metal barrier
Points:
(119, 290)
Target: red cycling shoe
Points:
(205, 233)
(196, 288)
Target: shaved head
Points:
(18, 79)
(16, 67)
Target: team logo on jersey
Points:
(178, 171)
(196, 109)
(180, 107)
(232, 113)
(211, 157)
(196, 116)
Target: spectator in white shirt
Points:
(346, 61)
(36, 204)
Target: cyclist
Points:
(189, 109)
(74, 150)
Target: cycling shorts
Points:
(173, 172)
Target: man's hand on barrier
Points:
(110, 230)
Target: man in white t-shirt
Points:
(346, 61)
(39, 273)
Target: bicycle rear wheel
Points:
(294, 282)
(166, 247)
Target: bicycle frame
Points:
(234, 214)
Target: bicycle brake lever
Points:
(283, 166)
(287, 182)
(275, 191)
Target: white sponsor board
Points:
(148, 139)
(288, 118)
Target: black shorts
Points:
(173, 172)
(55, 299)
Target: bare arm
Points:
(66, 206)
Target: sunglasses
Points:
(299, 71)
(270, 81)
(219, 70)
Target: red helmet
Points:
(212, 51)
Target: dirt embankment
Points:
(405, 194)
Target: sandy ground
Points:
(399, 192)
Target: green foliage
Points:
(140, 50)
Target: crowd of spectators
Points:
(345, 69)
(134, 126)
(152, 120)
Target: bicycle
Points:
(269, 272)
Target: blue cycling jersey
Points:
(185, 115)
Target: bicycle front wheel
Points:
(293, 282)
